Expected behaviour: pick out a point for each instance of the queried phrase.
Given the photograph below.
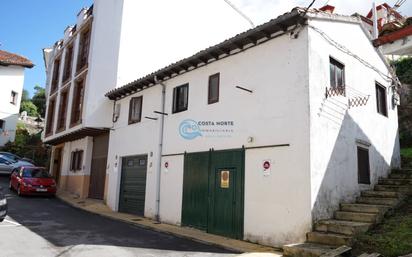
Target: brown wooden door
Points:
(98, 166)
(57, 164)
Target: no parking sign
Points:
(267, 164)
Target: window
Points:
(77, 104)
(61, 121)
(363, 166)
(76, 160)
(337, 74)
(381, 100)
(180, 98)
(13, 98)
(213, 95)
(55, 78)
(50, 117)
(83, 49)
(2, 125)
(135, 109)
(68, 63)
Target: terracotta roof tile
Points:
(7, 59)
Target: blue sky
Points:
(28, 26)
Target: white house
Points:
(110, 44)
(11, 80)
(259, 136)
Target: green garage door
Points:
(213, 192)
(133, 185)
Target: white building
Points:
(11, 80)
(259, 136)
(110, 44)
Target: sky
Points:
(29, 26)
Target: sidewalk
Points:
(98, 207)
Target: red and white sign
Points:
(267, 164)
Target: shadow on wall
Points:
(339, 182)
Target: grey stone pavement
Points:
(43, 227)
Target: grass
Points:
(391, 238)
(406, 152)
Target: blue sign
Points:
(189, 129)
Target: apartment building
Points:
(110, 43)
(12, 67)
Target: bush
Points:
(28, 146)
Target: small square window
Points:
(381, 100)
(135, 109)
(337, 73)
(213, 94)
(13, 97)
(76, 160)
(180, 98)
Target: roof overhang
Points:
(240, 42)
(397, 43)
(77, 134)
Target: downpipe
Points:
(160, 148)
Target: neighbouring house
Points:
(257, 137)
(12, 67)
(108, 46)
(397, 41)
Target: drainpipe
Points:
(160, 148)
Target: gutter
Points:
(160, 148)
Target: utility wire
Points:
(241, 13)
(348, 52)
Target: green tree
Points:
(25, 96)
(29, 107)
(404, 71)
(39, 100)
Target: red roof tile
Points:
(7, 59)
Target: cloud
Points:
(263, 10)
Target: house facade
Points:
(259, 136)
(12, 67)
(101, 52)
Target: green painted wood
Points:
(133, 185)
(195, 190)
(227, 204)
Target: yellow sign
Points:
(224, 179)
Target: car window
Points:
(4, 161)
(35, 173)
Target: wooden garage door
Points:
(133, 185)
(213, 189)
(98, 166)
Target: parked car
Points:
(29, 180)
(3, 205)
(7, 165)
(16, 157)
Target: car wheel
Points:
(1, 220)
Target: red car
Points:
(32, 181)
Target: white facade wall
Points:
(156, 33)
(136, 139)
(335, 129)
(11, 79)
(85, 144)
(277, 112)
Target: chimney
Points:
(327, 8)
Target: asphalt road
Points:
(43, 227)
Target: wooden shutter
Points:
(363, 166)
